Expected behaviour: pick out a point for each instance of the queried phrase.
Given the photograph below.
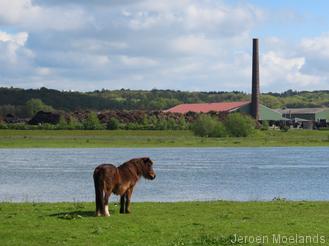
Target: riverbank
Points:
(183, 223)
(137, 138)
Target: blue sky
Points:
(173, 44)
(307, 18)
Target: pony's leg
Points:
(128, 198)
(122, 204)
(98, 195)
(98, 212)
(98, 209)
(106, 204)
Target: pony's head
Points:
(147, 168)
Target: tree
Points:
(35, 105)
(271, 101)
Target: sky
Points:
(189, 45)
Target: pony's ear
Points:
(146, 159)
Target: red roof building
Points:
(207, 107)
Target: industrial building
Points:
(308, 118)
(264, 113)
(318, 117)
(313, 114)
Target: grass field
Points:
(122, 138)
(183, 223)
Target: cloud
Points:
(144, 44)
(282, 72)
(137, 61)
(191, 16)
(19, 38)
(29, 16)
(192, 44)
(316, 52)
(13, 50)
(86, 2)
(221, 18)
(316, 46)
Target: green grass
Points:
(182, 223)
(122, 138)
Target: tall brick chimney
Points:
(255, 80)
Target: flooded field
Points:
(182, 173)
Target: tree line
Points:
(15, 100)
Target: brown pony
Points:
(121, 181)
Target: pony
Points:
(119, 180)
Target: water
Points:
(182, 173)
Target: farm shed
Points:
(312, 114)
(265, 113)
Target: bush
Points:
(70, 124)
(113, 124)
(20, 126)
(161, 124)
(284, 128)
(219, 130)
(172, 124)
(207, 126)
(62, 124)
(92, 122)
(3, 126)
(133, 126)
(239, 125)
(183, 125)
(47, 126)
(74, 124)
(202, 125)
(265, 125)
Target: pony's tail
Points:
(99, 187)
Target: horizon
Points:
(184, 45)
(156, 89)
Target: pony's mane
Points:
(133, 165)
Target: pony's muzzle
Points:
(152, 176)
